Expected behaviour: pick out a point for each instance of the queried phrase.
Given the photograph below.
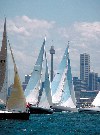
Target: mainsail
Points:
(66, 92)
(46, 99)
(3, 68)
(68, 99)
(59, 79)
(71, 86)
(47, 85)
(34, 84)
(17, 99)
(58, 95)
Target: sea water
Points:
(54, 124)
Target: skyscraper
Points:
(93, 81)
(84, 67)
(52, 51)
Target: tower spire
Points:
(68, 48)
(5, 25)
(52, 52)
(68, 44)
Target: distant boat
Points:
(16, 104)
(64, 97)
(94, 108)
(38, 92)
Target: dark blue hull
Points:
(15, 116)
(39, 110)
(89, 110)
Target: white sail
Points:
(70, 83)
(69, 103)
(45, 99)
(73, 94)
(17, 99)
(68, 99)
(56, 98)
(32, 98)
(96, 101)
(3, 68)
(47, 85)
(34, 84)
(58, 81)
(66, 92)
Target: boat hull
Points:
(40, 110)
(14, 115)
(91, 110)
(62, 108)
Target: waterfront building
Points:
(98, 83)
(87, 97)
(84, 67)
(79, 85)
(93, 81)
(24, 84)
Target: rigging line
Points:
(11, 53)
(12, 57)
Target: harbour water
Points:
(54, 124)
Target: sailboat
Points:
(65, 96)
(16, 104)
(38, 92)
(94, 108)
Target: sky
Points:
(28, 21)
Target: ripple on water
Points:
(55, 124)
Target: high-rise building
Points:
(52, 51)
(79, 84)
(84, 67)
(93, 81)
(98, 83)
(24, 84)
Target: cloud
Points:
(81, 31)
(27, 27)
(35, 23)
(84, 37)
(88, 30)
(26, 19)
(26, 37)
(17, 30)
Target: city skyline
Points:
(61, 21)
